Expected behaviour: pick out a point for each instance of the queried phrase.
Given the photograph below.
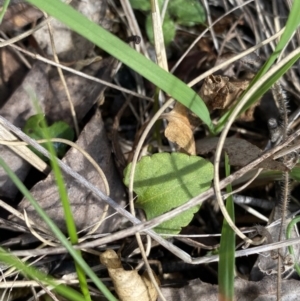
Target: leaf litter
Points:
(240, 151)
(87, 209)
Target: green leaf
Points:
(165, 181)
(144, 5)
(34, 129)
(168, 28)
(187, 12)
(295, 173)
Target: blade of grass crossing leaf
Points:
(60, 236)
(70, 223)
(120, 50)
(227, 249)
(4, 9)
(35, 274)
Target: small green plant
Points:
(34, 128)
(182, 12)
(164, 181)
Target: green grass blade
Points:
(265, 86)
(123, 52)
(35, 274)
(227, 249)
(4, 9)
(71, 227)
(292, 24)
(70, 223)
(56, 231)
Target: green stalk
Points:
(35, 274)
(70, 223)
(4, 9)
(227, 249)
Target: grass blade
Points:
(227, 249)
(35, 274)
(70, 223)
(4, 9)
(292, 24)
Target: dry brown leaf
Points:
(221, 93)
(129, 285)
(179, 129)
(240, 152)
(19, 15)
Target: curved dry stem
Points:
(35, 234)
(140, 145)
(131, 180)
(225, 196)
(72, 144)
(223, 136)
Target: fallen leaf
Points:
(221, 93)
(179, 129)
(19, 15)
(16, 110)
(129, 285)
(240, 152)
(87, 209)
(66, 40)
